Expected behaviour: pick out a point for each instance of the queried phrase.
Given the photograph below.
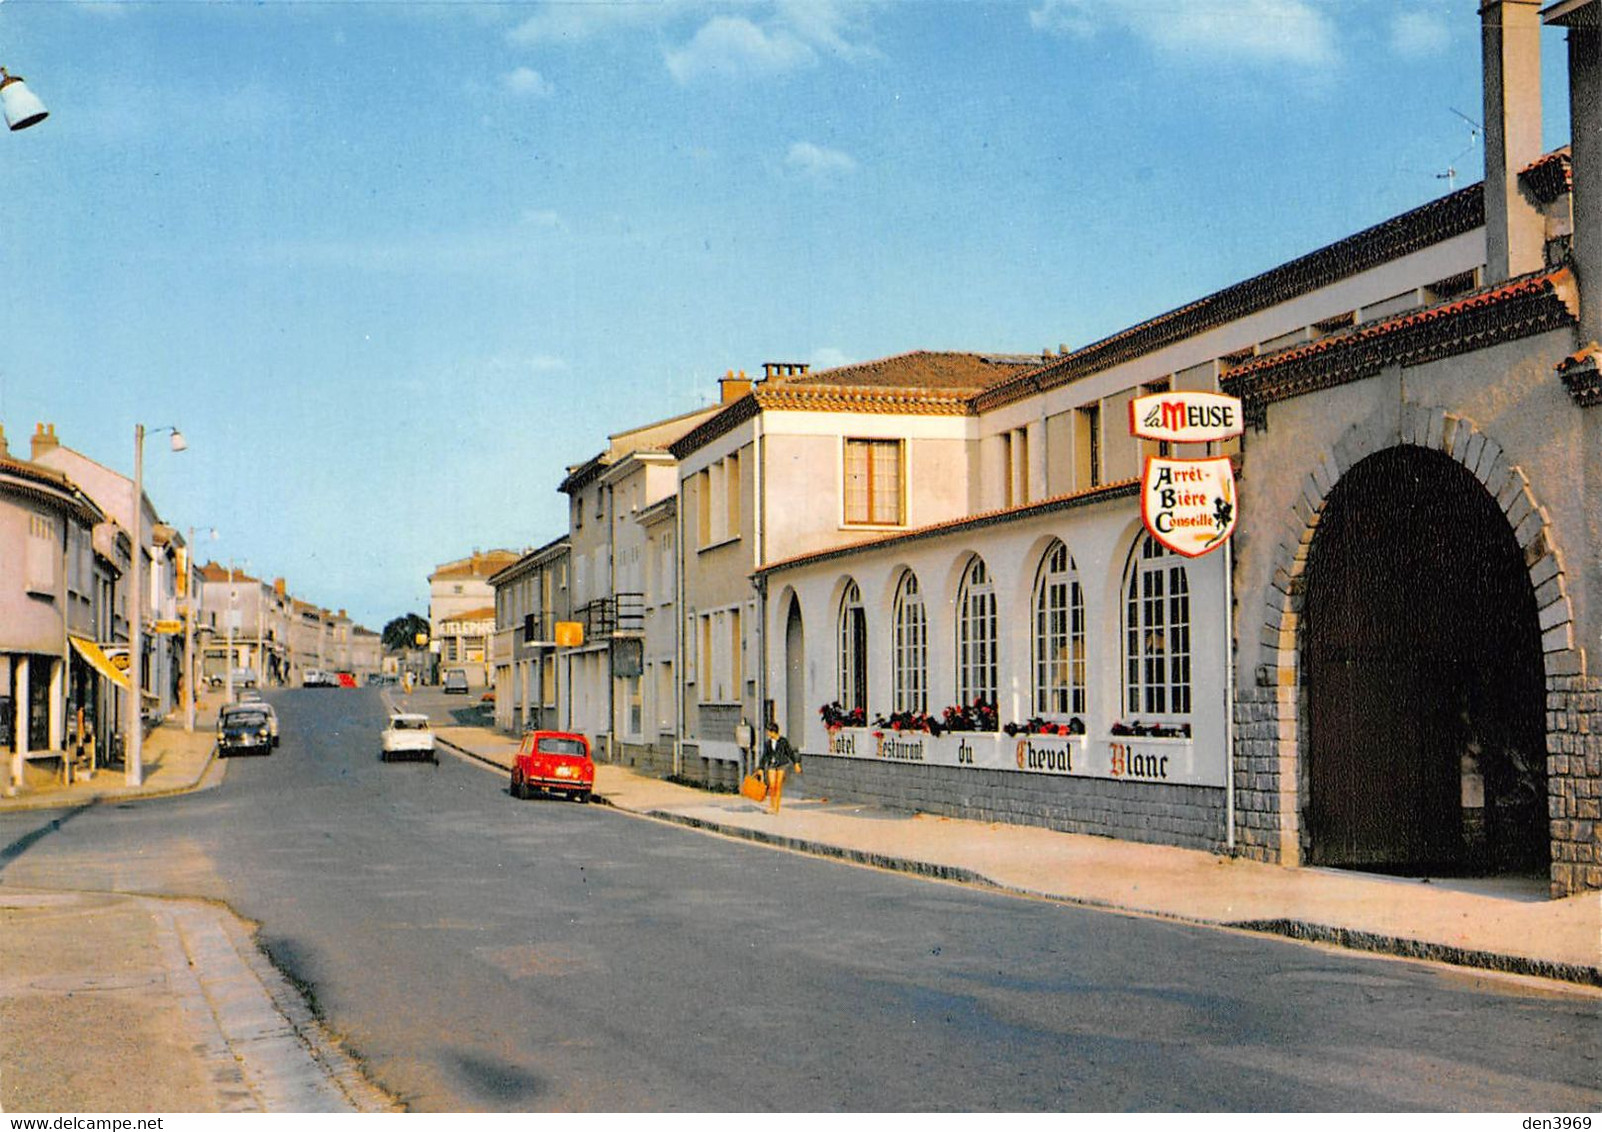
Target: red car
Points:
(554, 762)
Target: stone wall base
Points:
(1190, 817)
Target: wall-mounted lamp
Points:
(22, 107)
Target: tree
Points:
(401, 633)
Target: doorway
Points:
(1425, 688)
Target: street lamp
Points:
(134, 768)
(22, 107)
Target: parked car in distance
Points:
(244, 728)
(554, 762)
(243, 678)
(317, 678)
(407, 736)
(253, 698)
(456, 680)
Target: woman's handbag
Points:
(754, 787)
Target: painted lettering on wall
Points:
(906, 750)
(1055, 759)
(1125, 763)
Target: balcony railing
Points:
(621, 614)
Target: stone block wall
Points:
(1574, 782)
(1256, 769)
(1191, 817)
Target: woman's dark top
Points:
(778, 754)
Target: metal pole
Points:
(1229, 697)
(228, 669)
(189, 633)
(134, 767)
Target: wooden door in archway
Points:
(1421, 658)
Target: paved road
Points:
(483, 953)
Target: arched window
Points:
(853, 650)
(912, 647)
(1059, 633)
(1156, 633)
(976, 636)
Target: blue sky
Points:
(392, 266)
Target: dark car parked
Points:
(244, 728)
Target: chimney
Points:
(771, 370)
(4, 451)
(732, 388)
(1510, 45)
(44, 440)
(280, 587)
(1583, 20)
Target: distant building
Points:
(461, 612)
(531, 596)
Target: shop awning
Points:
(98, 660)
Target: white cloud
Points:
(528, 82)
(1259, 31)
(734, 47)
(725, 38)
(1418, 34)
(818, 161)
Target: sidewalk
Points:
(113, 1003)
(1500, 926)
(174, 761)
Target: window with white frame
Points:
(1059, 633)
(976, 636)
(873, 494)
(1156, 632)
(853, 650)
(911, 647)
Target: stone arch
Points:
(1280, 639)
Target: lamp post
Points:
(134, 767)
(22, 107)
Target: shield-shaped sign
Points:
(1188, 505)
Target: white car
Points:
(408, 736)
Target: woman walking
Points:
(777, 757)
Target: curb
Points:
(91, 798)
(1301, 930)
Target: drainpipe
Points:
(758, 449)
(678, 633)
(611, 589)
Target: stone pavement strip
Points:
(112, 1003)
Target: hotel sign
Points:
(1120, 758)
(1188, 506)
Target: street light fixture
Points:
(22, 106)
(134, 767)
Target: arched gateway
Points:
(1422, 671)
